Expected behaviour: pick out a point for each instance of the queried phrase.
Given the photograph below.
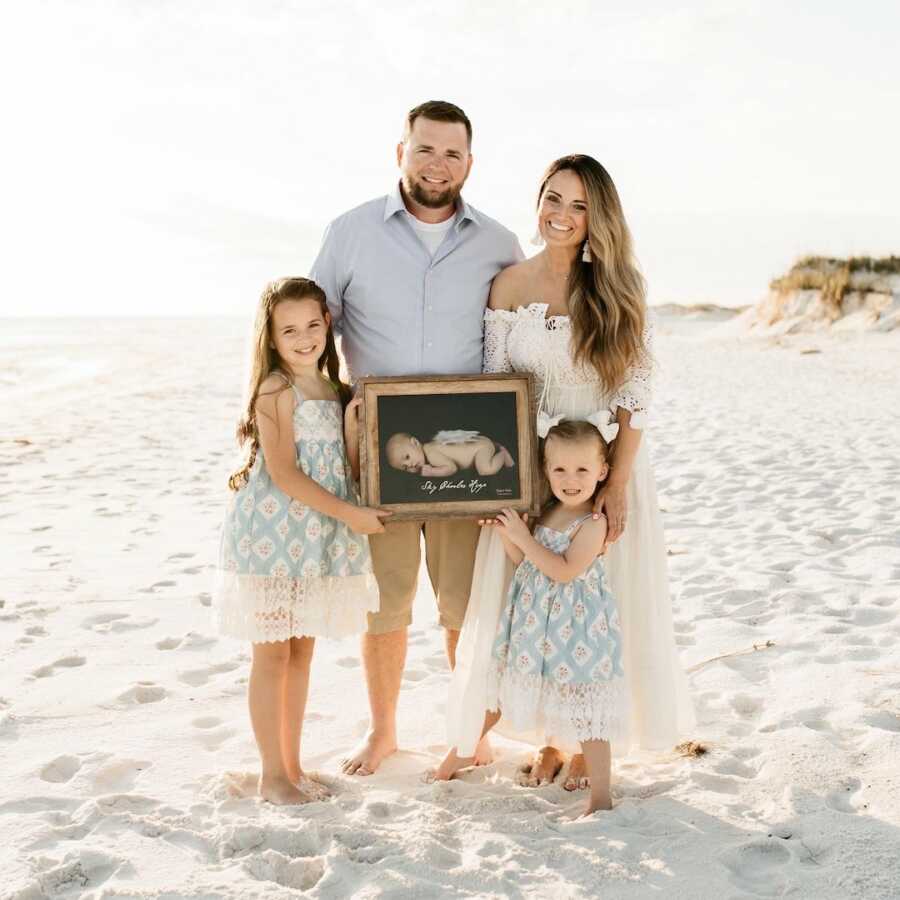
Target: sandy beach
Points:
(126, 758)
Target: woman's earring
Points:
(538, 238)
(586, 253)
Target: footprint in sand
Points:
(348, 662)
(66, 662)
(118, 775)
(157, 586)
(884, 719)
(170, 643)
(197, 677)
(182, 556)
(872, 616)
(143, 692)
(117, 623)
(212, 734)
(848, 798)
(61, 769)
(755, 866)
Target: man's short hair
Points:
(438, 111)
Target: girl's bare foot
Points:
(449, 766)
(484, 752)
(577, 778)
(542, 769)
(597, 804)
(280, 791)
(368, 755)
(313, 789)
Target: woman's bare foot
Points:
(449, 766)
(577, 778)
(368, 755)
(280, 791)
(542, 769)
(484, 752)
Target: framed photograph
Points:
(448, 446)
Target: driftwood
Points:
(752, 649)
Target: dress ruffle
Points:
(570, 712)
(262, 608)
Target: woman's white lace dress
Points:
(660, 709)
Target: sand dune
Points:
(126, 760)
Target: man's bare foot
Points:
(281, 792)
(542, 769)
(449, 766)
(577, 778)
(368, 755)
(484, 752)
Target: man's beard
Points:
(431, 200)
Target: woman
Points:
(575, 316)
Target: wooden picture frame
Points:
(477, 418)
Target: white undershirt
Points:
(432, 234)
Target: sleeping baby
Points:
(446, 453)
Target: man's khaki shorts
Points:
(450, 556)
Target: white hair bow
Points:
(545, 423)
(602, 420)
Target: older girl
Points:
(294, 562)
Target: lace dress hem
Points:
(596, 711)
(262, 608)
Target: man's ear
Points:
(400, 153)
(469, 167)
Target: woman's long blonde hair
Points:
(607, 299)
(265, 361)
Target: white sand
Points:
(121, 711)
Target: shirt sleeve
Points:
(328, 274)
(635, 393)
(497, 325)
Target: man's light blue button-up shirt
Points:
(399, 310)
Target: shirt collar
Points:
(393, 204)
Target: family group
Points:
(559, 630)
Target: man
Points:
(407, 278)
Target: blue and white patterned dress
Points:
(285, 569)
(557, 657)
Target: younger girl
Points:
(293, 564)
(557, 658)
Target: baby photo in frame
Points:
(448, 445)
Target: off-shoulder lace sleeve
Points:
(497, 324)
(635, 394)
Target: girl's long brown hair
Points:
(265, 361)
(607, 300)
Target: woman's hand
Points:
(613, 501)
(366, 519)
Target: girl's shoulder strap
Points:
(574, 526)
(289, 383)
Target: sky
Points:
(168, 158)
